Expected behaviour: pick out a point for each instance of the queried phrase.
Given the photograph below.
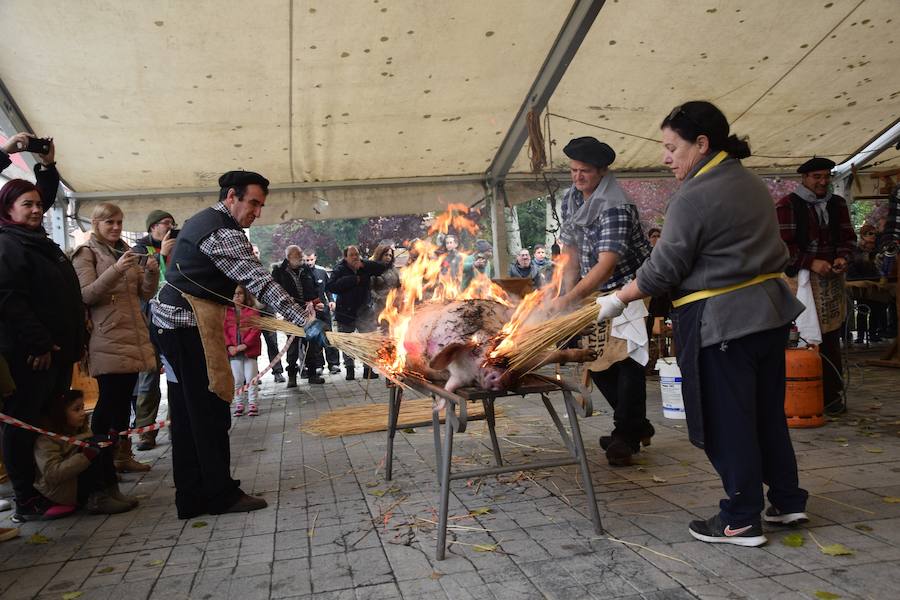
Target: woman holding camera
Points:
(114, 280)
(41, 329)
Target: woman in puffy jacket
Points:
(244, 347)
(114, 281)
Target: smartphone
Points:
(38, 145)
(173, 233)
(142, 259)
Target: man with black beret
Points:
(605, 244)
(211, 256)
(815, 225)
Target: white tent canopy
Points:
(399, 106)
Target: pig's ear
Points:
(447, 355)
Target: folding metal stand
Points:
(455, 422)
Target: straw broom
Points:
(363, 346)
(534, 341)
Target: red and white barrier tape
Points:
(240, 390)
(137, 430)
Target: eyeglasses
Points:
(678, 112)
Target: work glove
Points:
(315, 332)
(610, 307)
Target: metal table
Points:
(455, 422)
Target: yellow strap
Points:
(703, 294)
(722, 155)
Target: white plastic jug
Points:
(670, 386)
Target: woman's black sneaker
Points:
(716, 532)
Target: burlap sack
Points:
(830, 296)
(211, 323)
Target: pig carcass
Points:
(450, 341)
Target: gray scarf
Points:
(609, 194)
(820, 204)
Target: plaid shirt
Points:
(617, 230)
(232, 253)
(820, 246)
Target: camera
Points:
(38, 145)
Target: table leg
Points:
(488, 404)
(444, 478)
(582, 461)
(394, 400)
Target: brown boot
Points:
(124, 460)
(115, 493)
(147, 441)
(100, 503)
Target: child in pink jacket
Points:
(244, 348)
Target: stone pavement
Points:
(335, 529)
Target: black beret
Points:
(816, 163)
(239, 178)
(591, 151)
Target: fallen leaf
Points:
(105, 570)
(484, 547)
(658, 479)
(72, 595)
(826, 595)
(862, 527)
(259, 449)
(409, 430)
(199, 524)
(836, 550)
(156, 563)
(890, 500)
(37, 538)
(480, 511)
(794, 540)
(371, 484)
(435, 575)
(840, 440)
(377, 493)
(873, 450)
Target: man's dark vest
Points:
(193, 272)
(801, 224)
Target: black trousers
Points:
(832, 367)
(114, 402)
(100, 475)
(272, 349)
(624, 387)
(747, 439)
(309, 357)
(201, 450)
(34, 391)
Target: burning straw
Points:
(533, 341)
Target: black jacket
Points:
(307, 291)
(40, 297)
(353, 289)
(320, 276)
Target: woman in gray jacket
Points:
(721, 258)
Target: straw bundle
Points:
(367, 347)
(534, 341)
(367, 418)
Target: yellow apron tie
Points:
(722, 155)
(703, 294)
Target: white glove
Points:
(610, 307)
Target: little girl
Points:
(75, 475)
(244, 347)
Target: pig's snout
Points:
(494, 380)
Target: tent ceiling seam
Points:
(291, 88)
(797, 64)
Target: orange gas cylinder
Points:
(804, 405)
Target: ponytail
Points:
(737, 147)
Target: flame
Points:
(430, 277)
(457, 218)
